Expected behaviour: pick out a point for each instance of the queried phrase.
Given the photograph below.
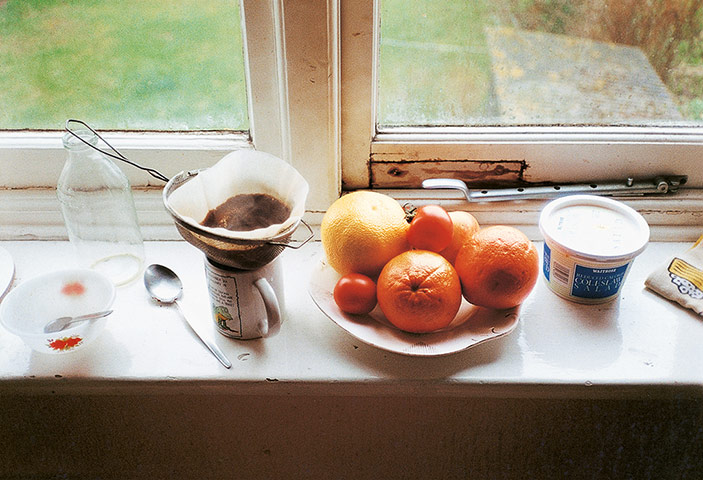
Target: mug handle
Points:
(273, 312)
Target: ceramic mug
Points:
(246, 304)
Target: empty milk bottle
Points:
(98, 209)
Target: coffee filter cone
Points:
(241, 172)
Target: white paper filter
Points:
(241, 172)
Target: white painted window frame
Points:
(372, 158)
(292, 113)
(555, 154)
(311, 67)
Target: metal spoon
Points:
(165, 287)
(63, 323)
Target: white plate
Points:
(7, 271)
(471, 326)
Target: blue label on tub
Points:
(546, 262)
(597, 282)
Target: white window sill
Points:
(33, 214)
(638, 346)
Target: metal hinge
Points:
(658, 185)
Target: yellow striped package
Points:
(681, 278)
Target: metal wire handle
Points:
(117, 155)
(303, 242)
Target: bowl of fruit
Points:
(423, 281)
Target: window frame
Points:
(33, 159)
(401, 157)
(311, 74)
(292, 114)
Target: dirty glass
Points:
(540, 62)
(129, 64)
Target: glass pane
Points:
(129, 64)
(540, 62)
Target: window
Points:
(410, 118)
(132, 65)
(328, 91)
(538, 62)
(288, 111)
(100, 78)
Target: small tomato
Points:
(430, 229)
(355, 293)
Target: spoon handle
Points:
(62, 323)
(210, 345)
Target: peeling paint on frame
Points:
(410, 173)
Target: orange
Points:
(362, 231)
(419, 291)
(465, 226)
(498, 267)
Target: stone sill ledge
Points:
(639, 345)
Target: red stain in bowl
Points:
(65, 344)
(73, 289)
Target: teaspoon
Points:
(164, 286)
(63, 323)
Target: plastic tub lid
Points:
(594, 228)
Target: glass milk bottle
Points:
(98, 208)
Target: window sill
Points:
(33, 214)
(639, 345)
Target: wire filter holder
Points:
(113, 152)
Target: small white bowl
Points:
(30, 306)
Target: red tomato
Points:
(430, 229)
(355, 293)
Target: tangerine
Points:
(419, 291)
(362, 231)
(498, 267)
(465, 226)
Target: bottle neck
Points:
(86, 166)
(84, 141)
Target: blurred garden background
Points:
(178, 64)
(438, 60)
(125, 64)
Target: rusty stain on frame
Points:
(405, 173)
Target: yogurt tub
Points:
(590, 243)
